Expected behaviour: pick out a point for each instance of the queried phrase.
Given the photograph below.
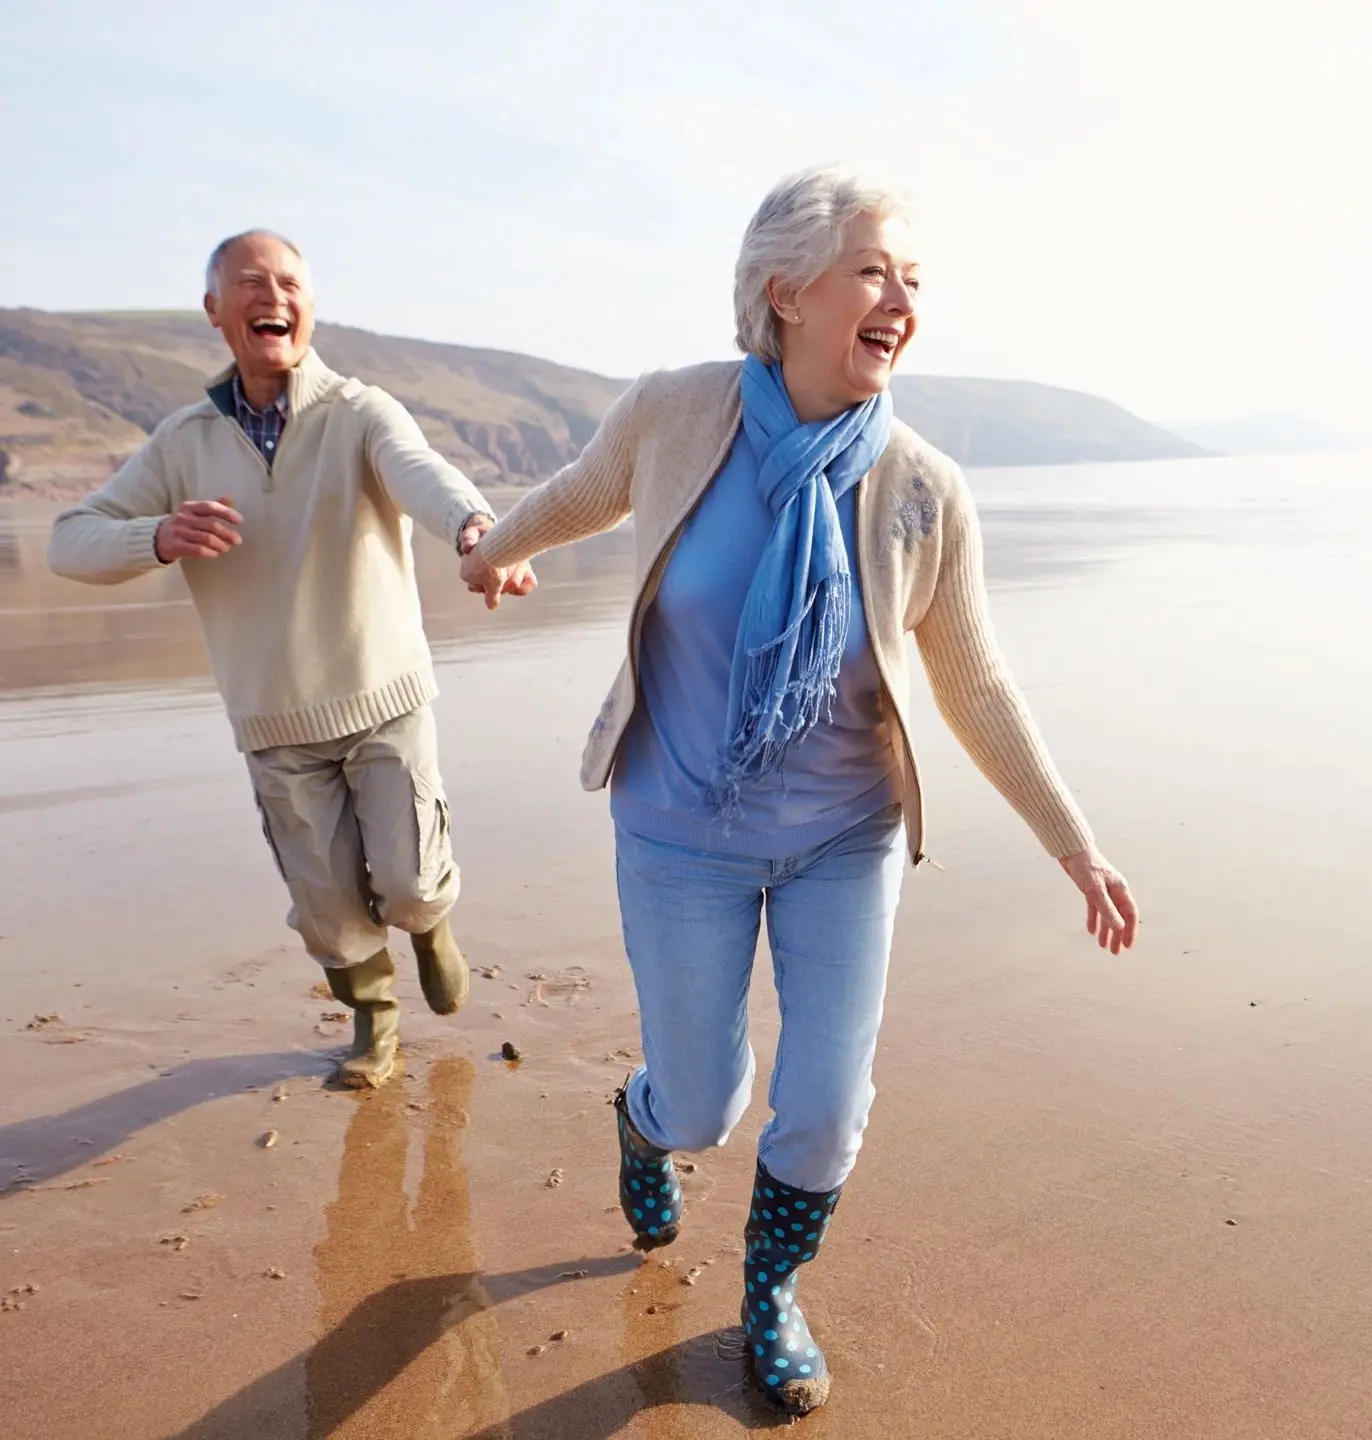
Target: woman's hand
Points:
(491, 580)
(1111, 914)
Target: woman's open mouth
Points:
(880, 342)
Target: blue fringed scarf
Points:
(795, 617)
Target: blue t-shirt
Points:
(844, 770)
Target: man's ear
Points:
(212, 309)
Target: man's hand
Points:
(199, 530)
(1111, 914)
(472, 532)
(491, 580)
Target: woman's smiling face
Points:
(842, 334)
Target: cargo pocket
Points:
(267, 835)
(435, 841)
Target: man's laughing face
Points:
(263, 305)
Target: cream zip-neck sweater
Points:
(313, 623)
(919, 565)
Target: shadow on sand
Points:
(32, 1152)
(410, 1345)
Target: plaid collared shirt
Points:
(262, 427)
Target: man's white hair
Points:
(215, 263)
(795, 235)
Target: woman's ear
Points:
(784, 296)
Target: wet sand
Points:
(1100, 1198)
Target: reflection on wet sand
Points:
(410, 1344)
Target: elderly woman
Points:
(789, 531)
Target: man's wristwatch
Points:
(467, 520)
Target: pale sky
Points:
(1169, 204)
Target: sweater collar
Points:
(310, 382)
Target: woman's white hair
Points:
(794, 236)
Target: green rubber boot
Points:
(442, 969)
(366, 990)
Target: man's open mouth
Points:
(880, 342)
(279, 328)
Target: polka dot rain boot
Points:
(649, 1191)
(785, 1229)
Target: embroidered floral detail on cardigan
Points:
(607, 710)
(915, 516)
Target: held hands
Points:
(199, 530)
(491, 580)
(1111, 914)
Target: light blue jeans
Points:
(691, 921)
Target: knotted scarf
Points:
(794, 624)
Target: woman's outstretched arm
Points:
(587, 497)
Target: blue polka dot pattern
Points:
(649, 1191)
(783, 1355)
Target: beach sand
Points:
(1099, 1197)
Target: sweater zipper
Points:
(267, 484)
(887, 693)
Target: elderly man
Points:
(286, 496)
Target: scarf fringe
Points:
(774, 715)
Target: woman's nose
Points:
(897, 299)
